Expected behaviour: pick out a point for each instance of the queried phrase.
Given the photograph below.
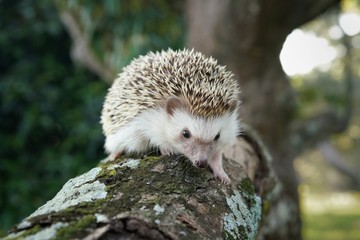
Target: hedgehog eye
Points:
(217, 137)
(186, 133)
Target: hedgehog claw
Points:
(223, 177)
(166, 151)
(114, 156)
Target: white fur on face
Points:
(202, 144)
(205, 129)
(156, 128)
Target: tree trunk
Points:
(160, 198)
(247, 36)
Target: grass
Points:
(330, 216)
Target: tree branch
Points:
(309, 132)
(300, 12)
(81, 51)
(156, 198)
(334, 159)
(316, 8)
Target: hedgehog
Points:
(180, 102)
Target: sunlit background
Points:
(304, 51)
(330, 200)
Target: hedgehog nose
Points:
(201, 163)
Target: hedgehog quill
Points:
(179, 101)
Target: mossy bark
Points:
(159, 198)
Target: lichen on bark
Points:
(243, 220)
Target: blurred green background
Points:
(50, 105)
(49, 109)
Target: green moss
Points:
(106, 173)
(82, 209)
(247, 186)
(228, 236)
(75, 228)
(243, 233)
(32, 231)
(151, 159)
(85, 221)
(35, 229)
(247, 191)
(240, 234)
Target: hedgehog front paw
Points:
(114, 155)
(218, 170)
(222, 176)
(166, 151)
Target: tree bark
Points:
(247, 37)
(160, 198)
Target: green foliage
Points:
(49, 112)
(119, 30)
(319, 92)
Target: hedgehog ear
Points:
(173, 103)
(234, 105)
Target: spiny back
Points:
(149, 80)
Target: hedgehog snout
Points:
(201, 163)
